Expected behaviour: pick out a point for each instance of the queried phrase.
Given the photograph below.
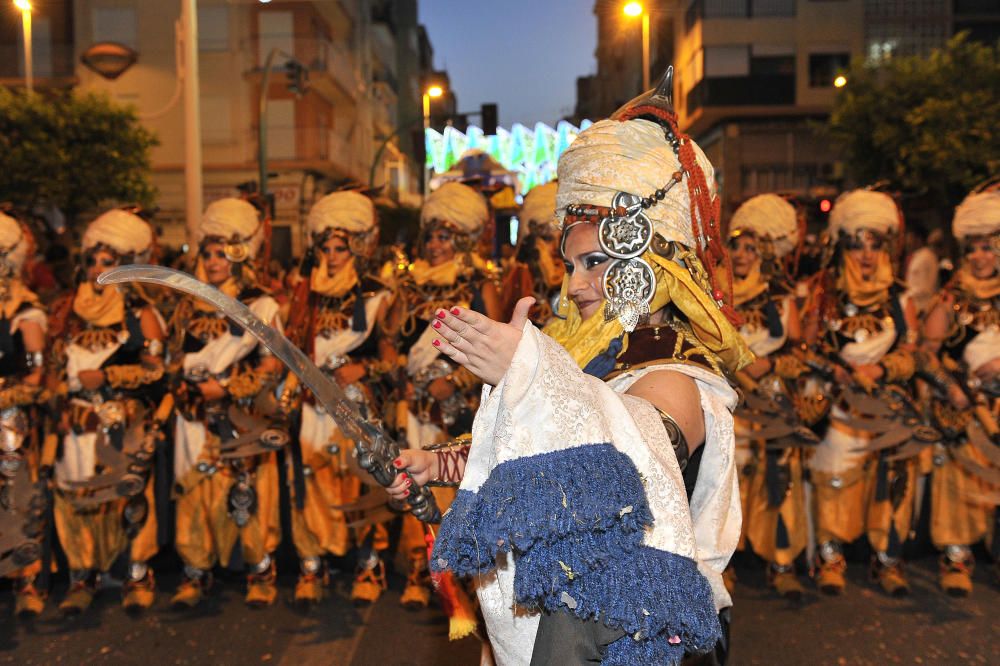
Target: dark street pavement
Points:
(861, 627)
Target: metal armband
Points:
(677, 439)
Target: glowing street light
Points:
(840, 81)
(29, 70)
(432, 91)
(634, 9)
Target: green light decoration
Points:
(532, 155)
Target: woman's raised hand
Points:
(483, 346)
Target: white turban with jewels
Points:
(864, 209)
(124, 232)
(978, 215)
(14, 242)
(348, 211)
(233, 220)
(634, 157)
(769, 216)
(458, 206)
(540, 207)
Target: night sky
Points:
(524, 55)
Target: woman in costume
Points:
(222, 496)
(599, 495)
(537, 269)
(964, 326)
(441, 395)
(23, 325)
(108, 350)
(337, 321)
(764, 232)
(869, 331)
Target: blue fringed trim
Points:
(575, 520)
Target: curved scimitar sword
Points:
(376, 448)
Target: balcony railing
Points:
(307, 144)
(316, 53)
(760, 90)
(717, 9)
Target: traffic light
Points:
(489, 113)
(297, 76)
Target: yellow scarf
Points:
(552, 270)
(982, 289)
(585, 339)
(99, 308)
(441, 275)
(750, 287)
(230, 288)
(335, 285)
(863, 292)
(15, 294)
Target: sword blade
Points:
(375, 444)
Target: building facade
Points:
(365, 63)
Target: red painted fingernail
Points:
(408, 481)
(441, 314)
(437, 343)
(398, 462)
(406, 493)
(455, 311)
(437, 324)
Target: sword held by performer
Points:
(375, 447)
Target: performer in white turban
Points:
(109, 349)
(23, 324)
(335, 320)
(869, 330)
(222, 496)
(442, 396)
(964, 326)
(537, 269)
(764, 234)
(598, 503)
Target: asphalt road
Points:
(861, 627)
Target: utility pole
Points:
(192, 121)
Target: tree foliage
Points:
(76, 151)
(927, 125)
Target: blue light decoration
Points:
(532, 155)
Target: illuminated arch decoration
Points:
(531, 154)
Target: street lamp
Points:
(433, 91)
(840, 81)
(634, 9)
(25, 7)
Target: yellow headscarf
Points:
(99, 308)
(15, 295)
(585, 339)
(750, 287)
(441, 275)
(864, 292)
(335, 285)
(981, 289)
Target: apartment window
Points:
(276, 31)
(722, 61)
(772, 60)
(114, 24)
(726, 8)
(213, 28)
(824, 67)
(764, 8)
